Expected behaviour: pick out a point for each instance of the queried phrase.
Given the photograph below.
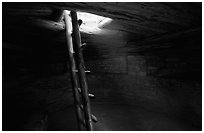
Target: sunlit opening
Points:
(92, 23)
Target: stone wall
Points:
(118, 80)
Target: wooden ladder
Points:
(85, 118)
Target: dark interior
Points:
(146, 67)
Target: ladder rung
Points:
(79, 89)
(82, 107)
(94, 118)
(91, 96)
(87, 71)
(83, 45)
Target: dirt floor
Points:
(119, 118)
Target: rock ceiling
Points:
(30, 27)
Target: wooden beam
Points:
(81, 71)
(75, 84)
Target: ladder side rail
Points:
(81, 71)
(73, 74)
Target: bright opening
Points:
(92, 23)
